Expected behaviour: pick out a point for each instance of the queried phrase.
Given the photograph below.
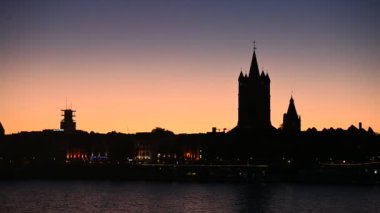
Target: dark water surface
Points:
(134, 196)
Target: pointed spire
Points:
(262, 74)
(254, 70)
(241, 76)
(292, 108)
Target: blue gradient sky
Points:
(130, 66)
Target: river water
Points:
(136, 196)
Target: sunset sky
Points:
(131, 66)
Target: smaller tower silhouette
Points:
(291, 122)
(68, 124)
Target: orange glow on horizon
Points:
(175, 64)
(112, 95)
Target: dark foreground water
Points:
(130, 196)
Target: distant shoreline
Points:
(192, 173)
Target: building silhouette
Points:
(291, 121)
(2, 131)
(68, 124)
(254, 99)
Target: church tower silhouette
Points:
(254, 98)
(291, 121)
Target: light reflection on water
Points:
(135, 196)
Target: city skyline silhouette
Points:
(143, 65)
(253, 111)
(189, 106)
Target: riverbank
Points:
(188, 172)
